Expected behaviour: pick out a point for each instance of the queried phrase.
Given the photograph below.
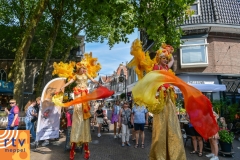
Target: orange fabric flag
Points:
(100, 92)
(197, 105)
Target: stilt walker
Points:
(158, 95)
(85, 70)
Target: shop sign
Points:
(201, 82)
(6, 86)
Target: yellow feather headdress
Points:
(164, 51)
(67, 69)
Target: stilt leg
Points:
(86, 150)
(72, 153)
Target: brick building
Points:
(210, 51)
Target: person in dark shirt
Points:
(99, 115)
(37, 106)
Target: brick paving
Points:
(108, 148)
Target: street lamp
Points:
(121, 79)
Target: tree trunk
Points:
(48, 54)
(18, 69)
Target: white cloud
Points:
(110, 59)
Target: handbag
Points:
(130, 125)
(128, 122)
(34, 118)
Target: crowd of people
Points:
(167, 142)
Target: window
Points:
(209, 95)
(196, 8)
(3, 75)
(193, 53)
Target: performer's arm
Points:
(93, 80)
(65, 85)
(171, 62)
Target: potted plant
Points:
(226, 140)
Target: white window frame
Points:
(197, 2)
(194, 65)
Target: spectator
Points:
(124, 118)
(69, 114)
(222, 123)
(13, 119)
(37, 107)
(114, 119)
(30, 114)
(139, 119)
(99, 118)
(214, 143)
(196, 137)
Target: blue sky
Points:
(110, 59)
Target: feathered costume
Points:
(167, 140)
(80, 132)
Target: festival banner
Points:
(49, 114)
(15, 144)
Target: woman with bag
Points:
(30, 117)
(124, 120)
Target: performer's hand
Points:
(146, 122)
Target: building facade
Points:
(210, 51)
(32, 69)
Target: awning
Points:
(207, 87)
(117, 94)
(109, 99)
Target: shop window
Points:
(193, 53)
(196, 8)
(209, 95)
(3, 75)
(35, 80)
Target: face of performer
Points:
(82, 70)
(163, 60)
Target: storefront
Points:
(6, 93)
(232, 83)
(208, 84)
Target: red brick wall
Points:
(223, 56)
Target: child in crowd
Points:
(99, 117)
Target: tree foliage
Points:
(161, 19)
(31, 35)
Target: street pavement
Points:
(108, 148)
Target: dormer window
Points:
(196, 8)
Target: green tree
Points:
(100, 20)
(161, 20)
(17, 73)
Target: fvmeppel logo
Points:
(15, 145)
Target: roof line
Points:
(211, 25)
